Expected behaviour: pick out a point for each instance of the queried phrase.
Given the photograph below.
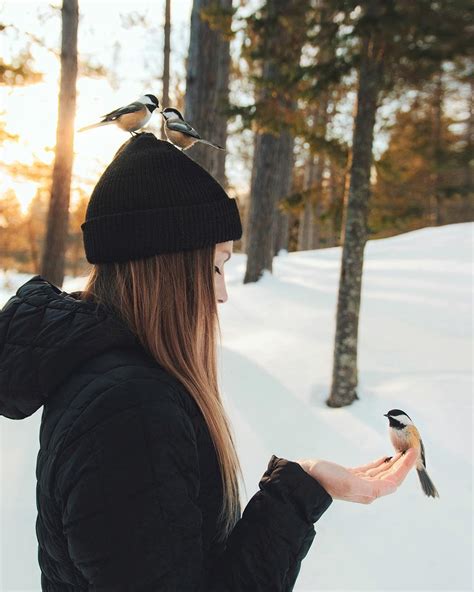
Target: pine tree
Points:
(53, 257)
(386, 42)
(207, 81)
(277, 33)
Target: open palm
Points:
(362, 484)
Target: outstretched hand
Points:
(362, 484)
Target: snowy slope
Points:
(415, 354)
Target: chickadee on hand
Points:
(180, 133)
(129, 118)
(404, 434)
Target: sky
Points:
(275, 366)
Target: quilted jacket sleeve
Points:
(129, 486)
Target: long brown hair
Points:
(169, 303)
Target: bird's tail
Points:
(211, 144)
(100, 123)
(426, 483)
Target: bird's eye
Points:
(217, 269)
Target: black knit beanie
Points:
(153, 199)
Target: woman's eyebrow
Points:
(228, 253)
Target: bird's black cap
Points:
(395, 412)
(153, 99)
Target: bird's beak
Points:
(385, 414)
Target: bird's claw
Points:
(388, 459)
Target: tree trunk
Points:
(467, 204)
(273, 150)
(344, 378)
(207, 87)
(271, 179)
(332, 204)
(306, 216)
(437, 201)
(315, 237)
(52, 266)
(345, 198)
(259, 243)
(310, 227)
(165, 98)
(33, 245)
(321, 129)
(76, 250)
(281, 233)
(267, 227)
(283, 184)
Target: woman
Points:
(137, 472)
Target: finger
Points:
(405, 464)
(376, 463)
(384, 467)
(373, 469)
(401, 467)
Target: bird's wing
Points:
(183, 127)
(423, 458)
(132, 108)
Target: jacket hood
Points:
(45, 334)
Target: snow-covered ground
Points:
(415, 354)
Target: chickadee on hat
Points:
(153, 199)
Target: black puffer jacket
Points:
(128, 485)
